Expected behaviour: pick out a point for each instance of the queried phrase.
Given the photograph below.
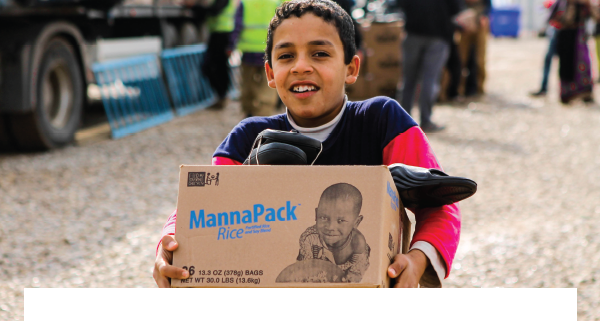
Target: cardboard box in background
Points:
(386, 35)
(386, 70)
(383, 60)
(266, 226)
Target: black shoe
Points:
(275, 147)
(539, 93)
(218, 105)
(277, 154)
(432, 127)
(421, 187)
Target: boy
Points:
(335, 237)
(251, 22)
(310, 57)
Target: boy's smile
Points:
(308, 69)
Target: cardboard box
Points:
(382, 86)
(386, 70)
(383, 35)
(385, 63)
(287, 226)
(382, 69)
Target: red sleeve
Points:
(438, 226)
(224, 161)
(169, 227)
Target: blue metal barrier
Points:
(235, 75)
(505, 21)
(133, 94)
(190, 90)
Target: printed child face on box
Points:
(338, 214)
(309, 68)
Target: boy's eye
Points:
(340, 221)
(322, 54)
(284, 56)
(322, 218)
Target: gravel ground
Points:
(67, 217)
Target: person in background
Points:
(597, 40)
(252, 20)
(569, 16)
(551, 33)
(429, 28)
(216, 62)
(472, 49)
(453, 68)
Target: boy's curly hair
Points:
(328, 10)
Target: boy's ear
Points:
(270, 75)
(316, 213)
(352, 71)
(358, 220)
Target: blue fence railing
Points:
(133, 94)
(189, 88)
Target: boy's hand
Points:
(408, 268)
(163, 270)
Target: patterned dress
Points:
(311, 247)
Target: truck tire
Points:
(170, 35)
(5, 140)
(188, 34)
(57, 113)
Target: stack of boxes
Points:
(381, 67)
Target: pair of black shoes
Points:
(418, 187)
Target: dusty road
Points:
(90, 216)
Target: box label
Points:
(202, 179)
(258, 213)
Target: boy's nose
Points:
(331, 226)
(302, 66)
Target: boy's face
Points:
(335, 221)
(308, 69)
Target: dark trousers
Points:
(454, 67)
(216, 63)
(548, 61)
(424, 57)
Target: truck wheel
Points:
(189, 34)
(57, 112)
(5, 141)
(170, 35)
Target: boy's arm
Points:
(435, 227)
(309, 241)
(169, 227)
(163, 270)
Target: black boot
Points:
(421, 187)
(540, 93)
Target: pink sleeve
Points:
(439, 226)
(224, 161)
(169, 227)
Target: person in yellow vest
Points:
(216, 62)
(252, 20)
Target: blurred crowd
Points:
(568, 37)
(440, 54)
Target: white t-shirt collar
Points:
(322, 132)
